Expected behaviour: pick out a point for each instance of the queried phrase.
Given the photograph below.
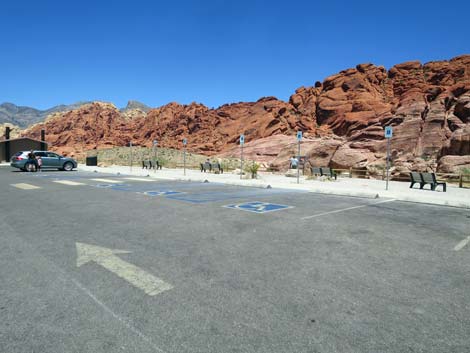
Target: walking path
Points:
(369, 188)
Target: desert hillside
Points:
(342, 118)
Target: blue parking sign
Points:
(388, 132)
(242, 139)
(299, 135)
(258, 207)
(185, 141)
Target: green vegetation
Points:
(253, 169)
(168, 157)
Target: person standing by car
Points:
(32, 159)
(39, 160)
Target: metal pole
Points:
(241, 163)
(154, 164)
(154, 159)
(298, 164)
(388, 162)
(130, 146)
(184, 160)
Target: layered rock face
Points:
(342, 119)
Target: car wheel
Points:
(30, 167)
(68, 166)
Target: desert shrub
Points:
(253, 169)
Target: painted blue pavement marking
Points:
(162, 193)
(117, 187)
(258, 207)
(229, 195)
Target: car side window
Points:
(40, 154)
(53, 155)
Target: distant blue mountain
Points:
(25, 116)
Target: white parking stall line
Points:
(111, 181)
(346, 209)
(24, 186)
(138, 179)
(462, 244)
(68, 182)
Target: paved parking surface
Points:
(126, 264)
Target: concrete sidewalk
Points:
(455, 196)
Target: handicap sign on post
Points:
(185, 141)
(258, 207)
(299, 135)
(388, 132)
(242, 139)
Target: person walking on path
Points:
(293, 162)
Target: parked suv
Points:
(49, 160)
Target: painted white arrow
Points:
(131, 273)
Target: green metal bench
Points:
(329, 173)
(426, 178)
(416, 179)
(430, 178)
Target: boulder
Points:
(453, 164)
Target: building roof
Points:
(23, 138)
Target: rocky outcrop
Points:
(454, 164)
(15, 131)
(342, 118)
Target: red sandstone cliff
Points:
(342, 119)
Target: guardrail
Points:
(463, 180)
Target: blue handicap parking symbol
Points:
(258, 207)
(162, 193)
(103, 185)
(113, 186)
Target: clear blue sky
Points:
(213, 51)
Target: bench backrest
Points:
(416, 177)
(429, 178)
(315, 170)
(326, 171)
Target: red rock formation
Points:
(342, 118)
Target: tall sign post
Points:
(242, 142)
(299, 138)
(154, 164)
(388, 136)
(130, 155)
(185, 142)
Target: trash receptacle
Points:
(93, 161)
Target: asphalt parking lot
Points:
(107, 263)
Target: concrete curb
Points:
(327, 189)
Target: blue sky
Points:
(212, 52)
